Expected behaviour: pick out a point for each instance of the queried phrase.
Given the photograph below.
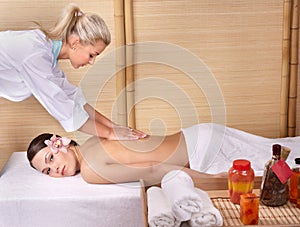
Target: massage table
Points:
(29, 198)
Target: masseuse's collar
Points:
(57, 44)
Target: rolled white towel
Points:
(208, 215)
(178, 187)
(159, 209)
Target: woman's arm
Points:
(99, 125)
(95, 115)
(151, 173)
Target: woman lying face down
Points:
(105, 161)
(203, 150)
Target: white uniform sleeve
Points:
(64, 101)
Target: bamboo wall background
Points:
(240, 43)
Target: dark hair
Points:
(38, 143)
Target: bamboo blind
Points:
(246, 44)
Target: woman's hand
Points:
(101, 126)
(125, 133)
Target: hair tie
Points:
(78, 13)
(58, 143)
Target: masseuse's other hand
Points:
(126, 133)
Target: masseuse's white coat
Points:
(28, 67)
(212, 148)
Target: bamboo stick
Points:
(120, 62)
(293, 69)
(285, 68)
(129, 39)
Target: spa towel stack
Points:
(178, 186)
(179, 201)
(208, 215)
(159, 209)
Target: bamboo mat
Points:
(288, 214)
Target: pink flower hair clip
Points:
(58, 143)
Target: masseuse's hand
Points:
(125, 133)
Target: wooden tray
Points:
(217, 188)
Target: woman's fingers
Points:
(127, 133)
(138, 133)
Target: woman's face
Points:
(58, 164)
(82, 55)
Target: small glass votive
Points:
(249, 208)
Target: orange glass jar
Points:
(240, 179)
(249, 209)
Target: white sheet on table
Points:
(218, 146)
(29, 198)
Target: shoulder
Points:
(92, 153)
(25, 36)
(39, 40)
(20, 45)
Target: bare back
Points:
(132, 157)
